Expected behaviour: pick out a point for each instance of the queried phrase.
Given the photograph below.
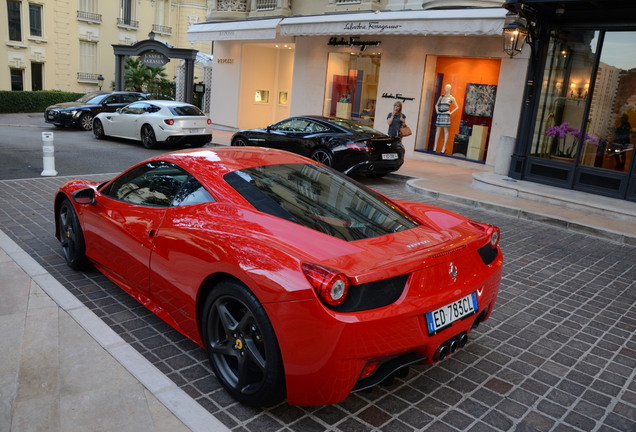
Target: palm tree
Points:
(141, 78)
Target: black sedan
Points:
(81, 112)
(342, 144)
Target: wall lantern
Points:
(100, 80)
(515, 33)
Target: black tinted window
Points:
(186, 110)
(319, 198)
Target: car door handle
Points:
(152, 233)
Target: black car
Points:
(345, 145)
(81, 112)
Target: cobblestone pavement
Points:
(558, 354)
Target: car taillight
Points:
(169, 121)
(331, 286)
(494, 236)
(360, 146)
(209, 121)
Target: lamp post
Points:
(100, 80)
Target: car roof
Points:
(166, 103)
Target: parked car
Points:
(156, 121)
(80, 113)
(297, 280)
(345, 145)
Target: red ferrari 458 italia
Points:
(299, 282)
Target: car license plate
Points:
(443, 317)
(389, 156)
(194, 131)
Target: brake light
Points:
(331, 286)
(360, 146)
(209, 121)
(493, 232)
(169, 121)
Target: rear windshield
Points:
(321, 199)
(186, 110)
(353, 126)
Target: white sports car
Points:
(156, 121)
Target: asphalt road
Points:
(76, 152)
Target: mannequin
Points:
(443, 110)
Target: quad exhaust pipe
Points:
(450, 346)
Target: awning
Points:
(460, 22)
(234, 30)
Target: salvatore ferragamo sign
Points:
(351, 42)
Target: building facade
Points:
(579, 126)
(67, 44)
(356, 59)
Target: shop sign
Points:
(351, 42)
(225, 60)
(397, 96)
(153, 59)
(372, 26)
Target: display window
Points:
(463, 103)
(586, 112)
(352, 86)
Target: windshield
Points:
(353, 126)
(92, 97)
(321, 199)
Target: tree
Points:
(141, 78)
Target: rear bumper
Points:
(325, 352)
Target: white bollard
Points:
(48, 154)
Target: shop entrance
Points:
(461, 108)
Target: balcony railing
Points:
(161, 29)
(89, 16)
(231, 5)
(127, 22)
(85, 76)
(346, 2)
(266, 5)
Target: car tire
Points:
(98, 129)
(86, 122)
(242, 345)
(240, 142)
(323, 156)
(71, 236)
(148, 138)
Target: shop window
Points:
(564, 95)
(462, 107)
(352, 86)
(611, 128)
(14, 20)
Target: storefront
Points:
(581, 126)
(358, 65)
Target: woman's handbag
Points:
(405, 131)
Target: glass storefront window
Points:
(610, 140)
(566, 88)
(352, 86)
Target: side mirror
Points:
(84, 196)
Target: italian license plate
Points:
(443, 317)
(389, 156)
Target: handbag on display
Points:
(405, 131)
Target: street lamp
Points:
(515, 33)
(100, 80)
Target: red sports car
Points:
(299, 282)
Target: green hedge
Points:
(33, 101)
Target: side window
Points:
(158, 184)
(135, 108)
(315, 127)
(111, 99)
(128, 98)
(152, 184)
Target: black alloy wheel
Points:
(71, 236)
(86, 121)
(242, 346)
(148, 138)
(98, 129)
(240, 142)
(323, 156)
